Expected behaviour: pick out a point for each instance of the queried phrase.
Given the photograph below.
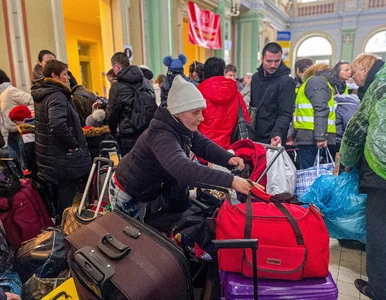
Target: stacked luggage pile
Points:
(101, 254)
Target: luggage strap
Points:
(283, 210)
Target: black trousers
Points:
(376, 240)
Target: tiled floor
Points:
(346, 265)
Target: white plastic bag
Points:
(281, 177)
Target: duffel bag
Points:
(293, 241)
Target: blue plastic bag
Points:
(343, 207)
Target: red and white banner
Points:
(204, 27)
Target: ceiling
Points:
(83, 11)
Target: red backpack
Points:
(25, 215)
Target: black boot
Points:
(364, 288)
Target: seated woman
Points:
(161, 154)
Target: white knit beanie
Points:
(184, 96)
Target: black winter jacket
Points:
(319, 93)
(120, 105)
(83, 100)
(274, 112)
(94, 136)
(161, 156)
(57, 129)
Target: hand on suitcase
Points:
(244, 186)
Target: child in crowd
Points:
(96, 131)
(22, 117)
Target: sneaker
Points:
(364, 288)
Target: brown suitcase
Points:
(118, 257)
(74, 218)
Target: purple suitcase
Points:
(237, 287)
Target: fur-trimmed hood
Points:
(26, 128)
(315, 69)
(95, 131)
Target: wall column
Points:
(159, 41)
(348, 39)
(226, 27)
(18, 46)
(248, 47)
(59, 33)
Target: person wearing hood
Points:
(96, 131)
(175, 67)
(314, 116)
(273, 96)
(346, 105)
(122, 95)
(364, 146)
(160, 158)
(342, 72)
(222, 103)
(22, 117)
(61, 149)
(10, 97)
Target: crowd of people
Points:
(55, 131)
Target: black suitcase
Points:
(118, 257)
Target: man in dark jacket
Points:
(120, 111)
(273, 95)
(61, 149)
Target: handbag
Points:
(44, 255)
(243, 129)
(305, 178)
(293, 240)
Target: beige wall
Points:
(135, 32)
(40, 27)
(4, 59)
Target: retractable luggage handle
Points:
(279, 149)
(87, 188)
(242, 244)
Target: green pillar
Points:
(248, 26)
(159, 42)
(348, 39)
(226, 26)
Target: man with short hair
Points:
(273, 96)
(301, 66)
(120, 111)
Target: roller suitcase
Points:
(236, 286)
(118, 257)
(90, 206)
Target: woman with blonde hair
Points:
(364, 146)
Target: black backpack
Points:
(10, 184)
(144, 107)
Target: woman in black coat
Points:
(61, 148)
(159, 163)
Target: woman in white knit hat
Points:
(159, 162)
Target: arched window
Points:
(377, 44)
(317, 48)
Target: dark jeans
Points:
(65, 192)
(376, 240)
(307, 155)
(16, 147)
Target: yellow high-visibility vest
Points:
(304, 111)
